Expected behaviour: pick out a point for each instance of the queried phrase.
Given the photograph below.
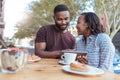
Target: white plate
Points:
(62, 62)
(34, 60)
(92, 71)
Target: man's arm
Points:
(40, 51)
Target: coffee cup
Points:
(68, 57)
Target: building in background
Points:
(2, 23)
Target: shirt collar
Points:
(89, 38)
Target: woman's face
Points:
(81, 25)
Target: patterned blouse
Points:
(100, 50)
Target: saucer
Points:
(62, 62)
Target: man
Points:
(52, 39)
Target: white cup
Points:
(68, 57)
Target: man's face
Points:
(62, 20)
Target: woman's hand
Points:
(82, 58)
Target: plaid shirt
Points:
(100, 51)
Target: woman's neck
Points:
(86, 35)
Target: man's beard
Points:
(60, 28)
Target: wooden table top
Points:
(49, 69)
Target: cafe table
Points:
(50, 69)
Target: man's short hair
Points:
(60, 7)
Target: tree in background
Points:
(27, 28)
(40, 13)
(110, 11)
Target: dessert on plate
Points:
(77, 66)
(33, 57)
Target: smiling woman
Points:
(14, 12)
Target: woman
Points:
(97, 44)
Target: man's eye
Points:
(66, 18)
(59, 19)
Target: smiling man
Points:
(51, 39)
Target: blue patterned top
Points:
(100, 50)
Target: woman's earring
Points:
(92, 29)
